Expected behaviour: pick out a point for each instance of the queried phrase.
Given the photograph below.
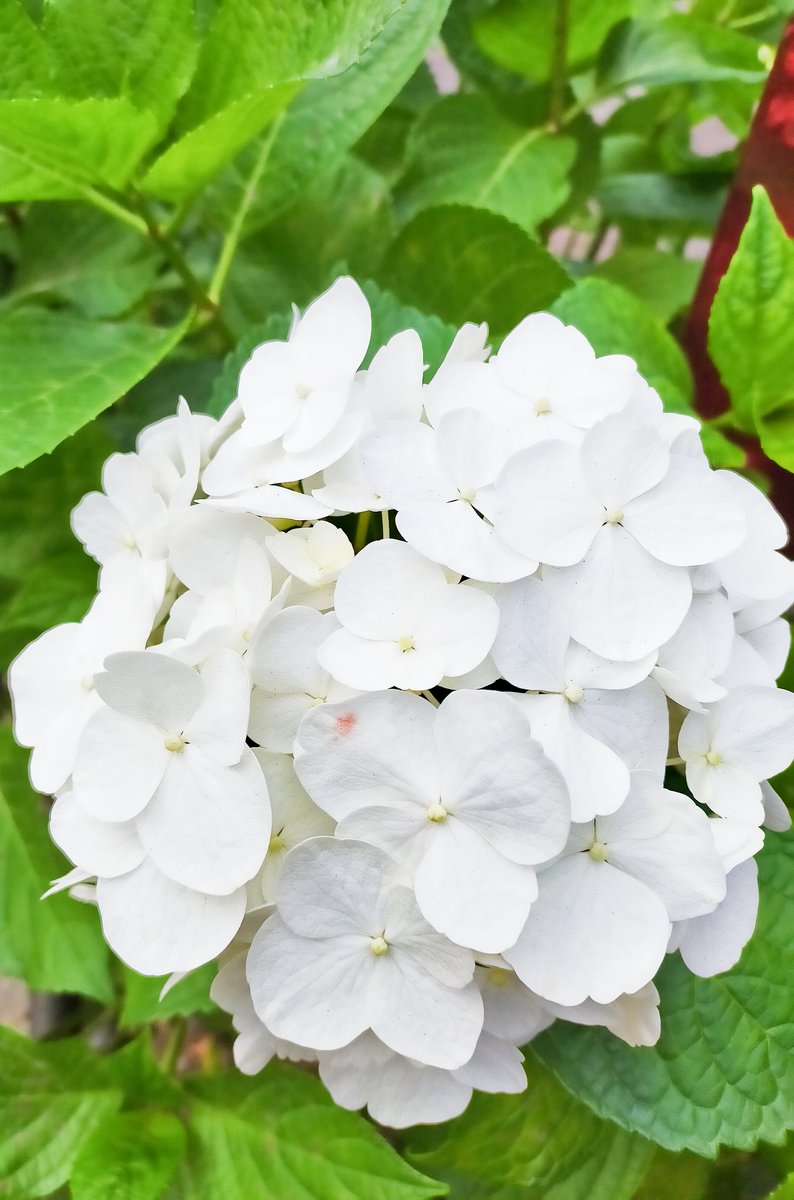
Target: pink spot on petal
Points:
(345, 723)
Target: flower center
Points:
(542, 407)
(378, 946)
(467, 494)
(405, 644)
(302, 391)
(436, 813)
(87, 682)
(573, 693)
(598, 852)
(276, 842)
(713, 758)
(130, 542)
(613, 516)
(498, 977)
(315, 700)
(174, 742)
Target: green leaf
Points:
(462, 151)
(137, 1072)
(55, 944)
(542, 1145)
(466, 264)
(519, 34)
(751, 330)
(62, 150)
(25, 68)
(84, 257)
(722, 1072)
(189, 163)
(328, 117)
(252, 46)
(653, 196)
(144, 52)
(279, 1137)
(616, 322)
(60, 371)
(52, 1099)
(665, 283)
(785, 1191)
(129, 1156)
(142, 1001)
(677, 49)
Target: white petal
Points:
(497, 780)
(308, 990)
(628, 603)
(45, 679)
(714, 943)
(623, 457)
(204, 544)
(120, 762)
(633, 723)
(690, 517)
(330, 887)
(99, 847)
(495, 1066)
(208, 826)
(419, 1017)
(597, 779)
(219, 724)
(270, 501)
(470, 892)
(368, 751)
(534, 633)
(544, 508)
(593, 931)
(776, 815)
(385, 586)
(400, 462)
(453, 533)
(151, 688)
(157, 926)
(335, 328)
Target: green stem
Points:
(362, 528)
(174, 1046)
(384, 521)
(234, 232)
(559, 64)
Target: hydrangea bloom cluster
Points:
(410, 789)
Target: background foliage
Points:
(173, 175)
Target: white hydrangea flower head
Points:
(403, 775)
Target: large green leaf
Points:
(664, 282)
(55, 944)
(654, 196)
(751, 331)
(519, 34)
(616, 322)
(466, 264)
(542, 1145)
(60, 371)
(462, 151)
(253, 45)
(25, 68)
(129, 1156)
(62, 149)
(722, 1072)
(144, 51)
(328, 117)
(677, 49)
(189, 163)
(82, 256)
(52, 1098)
(280, 1137)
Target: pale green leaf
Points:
(466, 264)
(519, 34)
(129, 1156)
(145, 52)
(55, 944)
(279, 1137)
(751, 328)
(253, 44)
(61, 149)
(60, 371)
(722, 1072)
(189, 163)
(677, 49)
(664, 282)
(52, 1098)
(462, 151)
(654, 196)
(328, 117)
(785, 1191)
(540, 1145)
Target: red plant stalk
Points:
(767, 158)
